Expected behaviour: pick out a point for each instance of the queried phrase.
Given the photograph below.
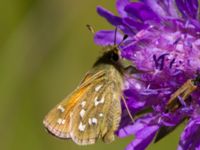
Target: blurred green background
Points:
(45, 49)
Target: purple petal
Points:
(188, 8)
(147, 131)
(107, 37)
(114, 20)
(192, 8)
(134, 24)
(140, 11)
(182, 8)
(120, 5)
(138, 125)
(172, 8)
(143, 138)
(130, 130)
(155, 7)
(190, 137)
(164, 8)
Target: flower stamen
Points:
(159, 62)
(171, 63)
(176, 41)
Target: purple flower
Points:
(164, 41)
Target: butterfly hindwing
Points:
(99, 116)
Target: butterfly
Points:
(181, 97)
(93, 109)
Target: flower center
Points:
(159, 62)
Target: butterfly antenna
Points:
(128, 110)
(124, 38)
(90, 28)
(115, 36)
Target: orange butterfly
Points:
(93, 109)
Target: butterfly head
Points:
(113, 52)
(111, 55)
(197, 80)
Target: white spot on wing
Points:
(94, 120)
(61, 108)
(81, 126)
(97, 102)
(82, 113)
(97, 88)
(90, 121)
(83, 103)
(101, 115)
(61, 121)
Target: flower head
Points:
(164, 41)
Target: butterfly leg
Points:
(128, 110)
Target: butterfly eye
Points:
(114, 56)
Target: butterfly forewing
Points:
(58, 121)
(93, 110)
